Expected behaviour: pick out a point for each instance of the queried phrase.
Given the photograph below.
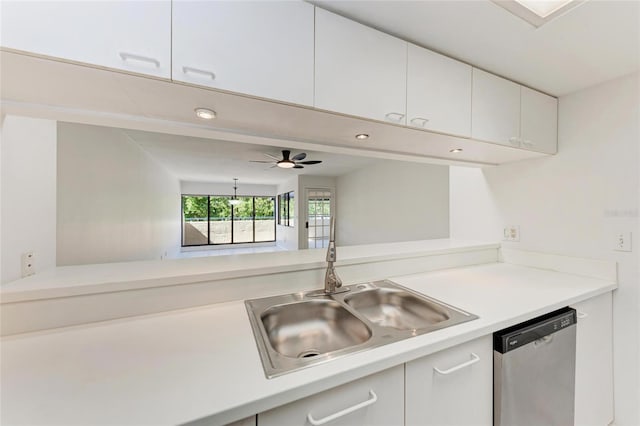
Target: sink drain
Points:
(309, 354)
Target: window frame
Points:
(283, 207)
(208, 236)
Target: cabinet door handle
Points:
(190, 70)
(474, 358)
(581, 315)
(528, 143)
(372, 400)
(133, 57)
(415, 121)
(394, 116)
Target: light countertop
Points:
(181, 366)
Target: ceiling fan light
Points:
(286, 164)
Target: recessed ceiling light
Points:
(362, 136)
(455, 150)
(205, 113)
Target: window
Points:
(286, 209)
(211, 220)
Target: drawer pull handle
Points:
(419, 121)
(581, 315)
(189, 70)
(372, 400)
(396, 117)
(474, 358)
(133, 57)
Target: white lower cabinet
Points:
(594, 362)
(374, 400)
(452, 387)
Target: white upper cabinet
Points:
(261, 48)
(539, 121)
(495, 109)
(128, 35)
(358, 70)
(438, 92)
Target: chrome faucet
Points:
(332, 281)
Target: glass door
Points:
(318, 217)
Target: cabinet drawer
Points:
(453, 387)
(374, 400)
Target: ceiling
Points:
(208, 160)
(594, 42)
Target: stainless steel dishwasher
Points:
(534, 371)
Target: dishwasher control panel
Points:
(530, 331)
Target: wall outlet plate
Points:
(622, 241)
(27, 262)
(511, 233)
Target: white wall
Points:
(28, 194)
(573, 204)
(287, 236)
(226, 188)
(392, 201)
(115, 203)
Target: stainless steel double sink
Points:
(298, 330)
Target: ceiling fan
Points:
(287, 162)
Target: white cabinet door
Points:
(495, 107)
(594, 362)
(374, 400)
(453, 387)
(261, 48)
(539, 121)
(359, 70)
(129, 35)
(438, 92)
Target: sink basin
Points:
(308, 329)
(298, 330)
(397, 308)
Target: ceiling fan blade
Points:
(285, 154)
(299, 157)
(298, 166)
(257, 161)
(273, 157)
(311, 162)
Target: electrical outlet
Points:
(622, 241)
(511, 233)
(28, 267)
